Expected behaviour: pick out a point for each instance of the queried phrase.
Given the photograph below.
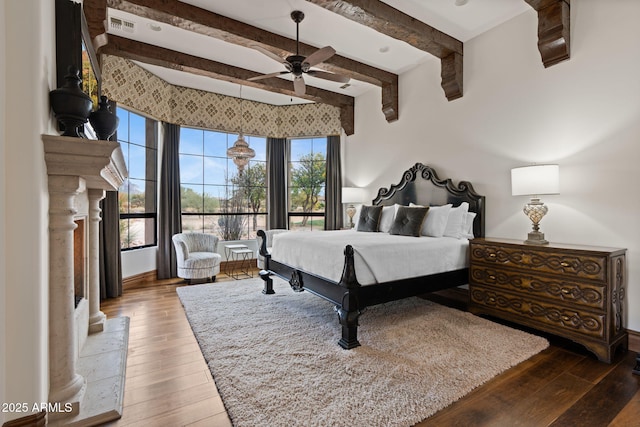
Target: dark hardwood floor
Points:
(168, 382)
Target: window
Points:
(215, 198)
(307, 176)
(137, 136)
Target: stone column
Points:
(65, 384)
(96, 317)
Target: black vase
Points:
(70, 104)
(103, 120)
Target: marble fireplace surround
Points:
(87, 352)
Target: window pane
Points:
(137, 161)
(215, 169)
(299, 148)
(307, 176)
(259, 144)
(191, 198)
(226, 198)
(137, 194)
(123, 124)
(191, 141)
(212, 196)
(137, 129)
(191, 169)
(191, 223)
(215, 144)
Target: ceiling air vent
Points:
(119, 24)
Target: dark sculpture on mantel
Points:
(70, 104)
(103, 120)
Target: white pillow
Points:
(436, 220)
(468, 233)
(457, 221)
(386, 219)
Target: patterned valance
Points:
(130, 85)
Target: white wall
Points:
(583, 114)
(28, 76)
(139, 261)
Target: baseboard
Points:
(149, 278)
(35, 420)
(634, 340)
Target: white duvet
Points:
(379, 257)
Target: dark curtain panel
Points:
(110, 262)
(333, 189)
(277, 182)
(169, 209)
(109, 243)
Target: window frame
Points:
(313, 214)
(229, 174)
(151, 176)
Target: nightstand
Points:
(572, 291)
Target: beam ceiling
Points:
(553, 34)
(394, 23)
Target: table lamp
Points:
(351, 195)
(534, 181)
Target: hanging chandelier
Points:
(240, 152)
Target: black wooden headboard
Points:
(421, 185)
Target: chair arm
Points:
(182, 251)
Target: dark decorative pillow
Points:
(408, 221)
(369, 218)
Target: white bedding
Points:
(379, 257)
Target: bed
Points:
(361, 275)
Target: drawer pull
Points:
(566, 318)
(492, 277)
(492, 300)
(492, 255)
(565, 264)
(566, 291)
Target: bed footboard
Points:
(344, 294)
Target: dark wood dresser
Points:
(573, 291)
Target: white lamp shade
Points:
(352, 195)
(535, 180)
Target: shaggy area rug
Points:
(276, 361)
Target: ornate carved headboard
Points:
(422, 186)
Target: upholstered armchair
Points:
(196, 256)
(269, 234)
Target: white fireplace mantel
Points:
(100, 163)
(79, 172)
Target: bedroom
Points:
(583, 114)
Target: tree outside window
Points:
(307, 178)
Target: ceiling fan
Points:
(299, 65)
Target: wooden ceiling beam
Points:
(554, 24)
(394, 23)
(195, 19)
(154, 55)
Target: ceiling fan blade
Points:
(267, 76)
(269, 54)
(298, 86)
(319, 56)
(328, 76)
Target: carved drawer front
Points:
(583, 266)
(551, 288)
(543, 313)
